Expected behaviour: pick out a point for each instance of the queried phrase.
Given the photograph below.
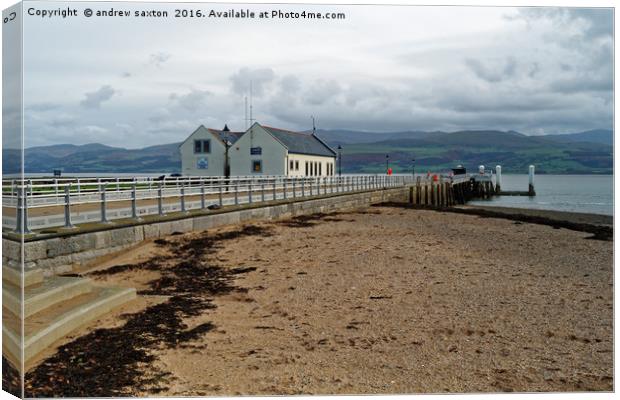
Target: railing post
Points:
(303, 192)
(22, 211)
(160, 199)
(134, 201)
(68, 223)
(250, 192)
(295, 187)
(182, 196)
(275, 189)
(56, 187)
(104, 217)
(220, 195)
(202, 194)
(284, 188)
(262, 192)
(236, 193)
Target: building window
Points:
(306, 168)
(256, 151)
(320, 169)
(296, 165)
(257, 166)
(202, 146)
(291, 164)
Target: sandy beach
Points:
(377, 301)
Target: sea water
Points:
(593, 194)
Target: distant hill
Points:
(579, 153)
(363, 152)
(602, 136)
(95, 157)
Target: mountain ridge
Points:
(581, 152)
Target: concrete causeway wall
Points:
(60, 254)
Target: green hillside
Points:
(363, 152)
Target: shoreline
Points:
(568, 216)
(600, 226)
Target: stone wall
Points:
(60, 254)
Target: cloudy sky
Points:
(138, 82)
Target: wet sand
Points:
(385, 300)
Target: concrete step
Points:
(51, 291)
(53, 323)
(14, 276)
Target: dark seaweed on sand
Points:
(118, 361)
(11, 381)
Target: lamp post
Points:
(413, 167)
(387, 163)
(339, 160)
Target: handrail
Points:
(132, 196)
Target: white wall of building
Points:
(272, 157)
(190, 160)
(319, 164)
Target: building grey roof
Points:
(223, 134)
(301, 143)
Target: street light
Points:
(413, 167)
(339, 160)
(387, 163)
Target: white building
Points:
(261, 150)
(203, 153)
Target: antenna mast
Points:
(246, 112)
(248, 121)
(251, 119)
(313, 126)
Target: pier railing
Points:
(40, 203)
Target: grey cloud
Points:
(598, 21)
(321, 91)
(62, 121)
(259, 78)
(94, 99)
(290, 84)
(93, 129)
(493, 70)
(158, 59)
(41, 107)
(192, 101)
(534, 69)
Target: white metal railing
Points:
(55, 202)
